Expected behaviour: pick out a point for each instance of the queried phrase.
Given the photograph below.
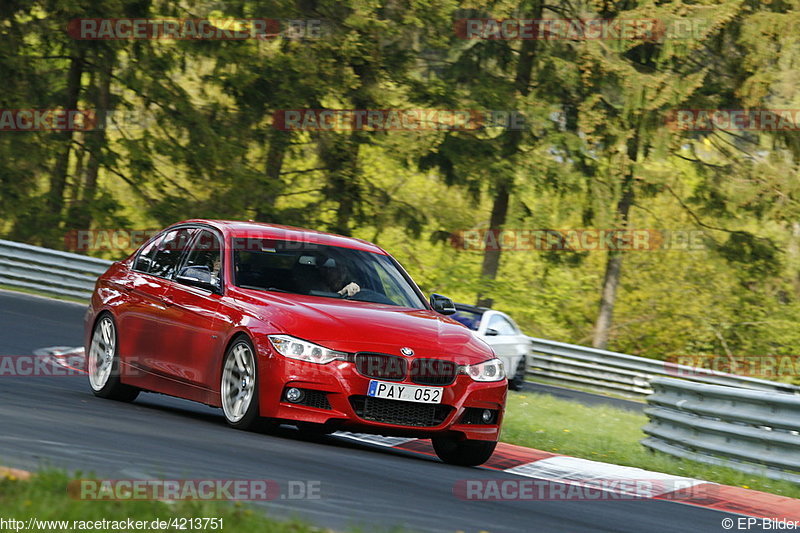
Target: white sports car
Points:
(500, 332)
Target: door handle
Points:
(168, 302)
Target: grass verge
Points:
(610, 435)
(44, 498)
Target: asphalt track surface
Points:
(585, 398)
(57, 422)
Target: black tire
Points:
(463, 452)
(250, 419)
(103, 350)
(516, 381)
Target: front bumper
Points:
(344, 389)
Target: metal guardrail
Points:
(751, 431)
(49, 271)
(574, 365)
(68, 274)
(745, 423)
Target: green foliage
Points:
(199, 142)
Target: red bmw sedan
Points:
(284, 325)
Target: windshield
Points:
(471, 319)
(321, 270)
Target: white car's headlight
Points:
(491, 370)
(293, 348)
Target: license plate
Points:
(407, 393)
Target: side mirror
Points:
(198, 276)
(491, 332)
(442, 304)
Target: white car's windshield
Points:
(321, 270)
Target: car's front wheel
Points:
(463, 452)
(516, 382)
(102, 363)
(238, 389)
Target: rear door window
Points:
(169, 251)
(145, 258)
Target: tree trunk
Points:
(81, 218)
(75, 186)
(266, 196)
(511, 143)
(60, 174)
(491, 254)
(608, 294)
(793, 256)
(339, 155)
(345, 181)
(608, 297)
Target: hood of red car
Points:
(354, 326)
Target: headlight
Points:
(302, 350)
(491, 370)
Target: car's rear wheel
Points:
(102, 363)
(463, 452)
(516, 382)
(238, 389)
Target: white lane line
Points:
(564, 469)
(61, 351)
(612, 478)
(70, 357)
(378, 440)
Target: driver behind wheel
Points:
(338, 278)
